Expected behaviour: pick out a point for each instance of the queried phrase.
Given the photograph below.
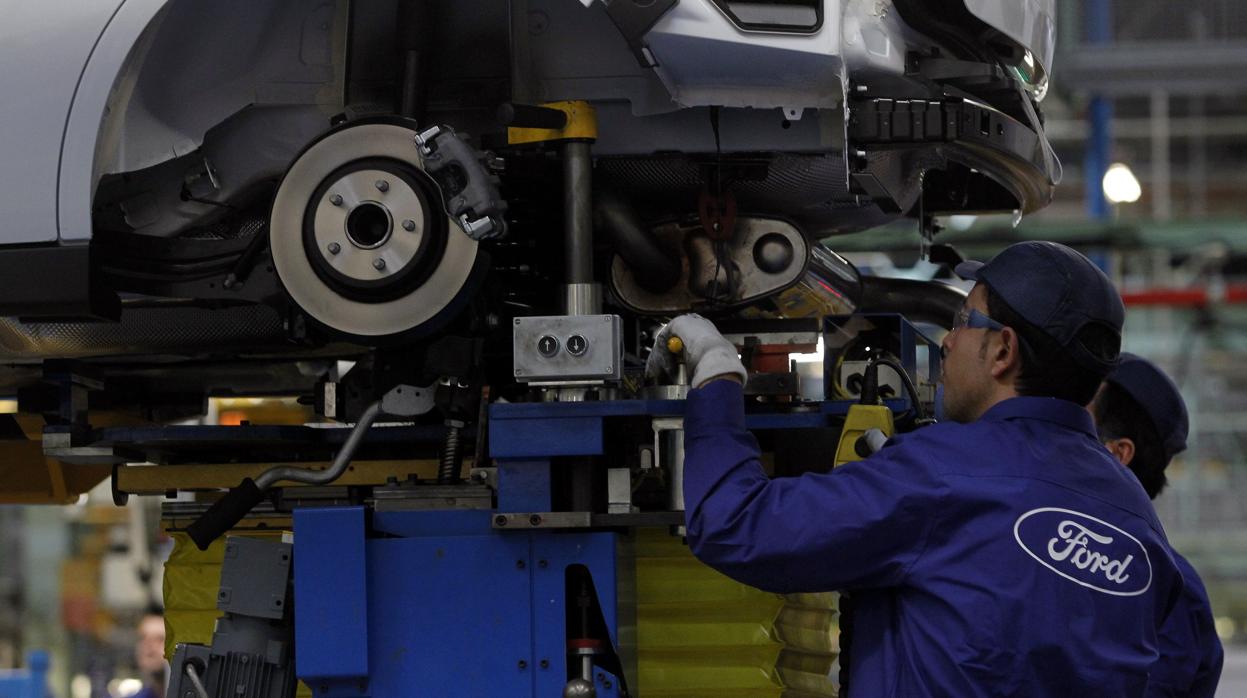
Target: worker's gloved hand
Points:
(706, 352)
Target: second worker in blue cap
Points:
(1142, 419)
(1005, 553)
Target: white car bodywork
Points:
(77, 109)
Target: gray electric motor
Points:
(252, 652)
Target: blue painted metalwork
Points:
(330, 597)
(445, 523)
(524, 485)
(559, 436)
(554, 554)
(453, 607)
(1099, 17)
(31, 682)
(451, 615)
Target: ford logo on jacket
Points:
(1085, 550)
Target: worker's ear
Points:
(1122, 449)
(1004, 353)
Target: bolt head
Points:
(378, 264)
(336, 199)
(409, 225)
(383, 185)
(334, 248)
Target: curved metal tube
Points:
(654, 269)
(323, 477)
(922, 301)
(193, 675)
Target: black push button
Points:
(548, 346)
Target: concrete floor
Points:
(1234, 675)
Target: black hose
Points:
(451, 457)
(922, 301)
(870, 383)
(919, 411)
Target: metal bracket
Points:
(634, 20)
(544, 519)
(407, 401)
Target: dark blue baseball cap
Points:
(1159, 397)
(1057, 290)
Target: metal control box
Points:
(568, 348)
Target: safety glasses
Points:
(972, 319)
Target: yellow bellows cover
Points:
(700, 633)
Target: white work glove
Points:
(706, 352)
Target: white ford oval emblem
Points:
(1085, 550)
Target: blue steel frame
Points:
(1099, 30)
(438, 604)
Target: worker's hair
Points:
(1048, 369)
(1120, 416)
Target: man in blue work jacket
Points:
(1142, 420)
(1007, 554)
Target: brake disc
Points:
(360, 238)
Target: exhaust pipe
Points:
(923, 301)
(654, 269)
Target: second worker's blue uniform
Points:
(1008, 557)
(1190, 652)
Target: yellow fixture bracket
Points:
(582, 124)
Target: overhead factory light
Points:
(1120, 184)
